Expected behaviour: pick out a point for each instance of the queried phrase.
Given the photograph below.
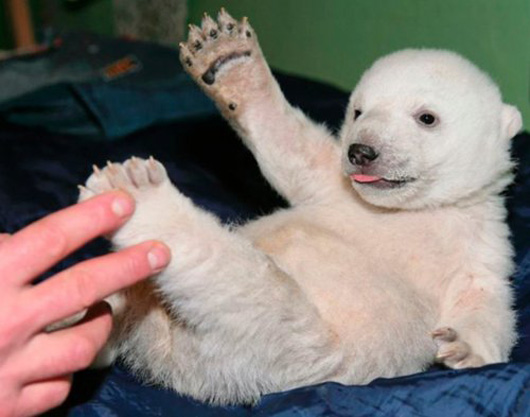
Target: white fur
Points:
(348, 284)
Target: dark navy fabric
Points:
(518, 203)
(39, 172)
(492, 391)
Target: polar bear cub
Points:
(394, 253)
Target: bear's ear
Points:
(511, 120)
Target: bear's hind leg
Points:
(252, 326)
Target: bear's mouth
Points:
(380, 182)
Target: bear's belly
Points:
(382, 320)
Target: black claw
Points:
(232, 106)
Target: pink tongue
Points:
(365, 178)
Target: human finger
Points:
(41, 396)
(3, 236)
(80, 286)
(39, 246)
(49, 355)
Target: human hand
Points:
(35, 366)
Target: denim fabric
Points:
(67, 89)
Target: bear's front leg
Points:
(477, 324)
(298, 157)
(225, 59)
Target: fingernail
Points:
(122, 206)
(158, 257)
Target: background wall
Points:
(90, 15)
(5, 37)
(335, 40)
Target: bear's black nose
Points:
(360, 154)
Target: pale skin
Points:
(36, 366)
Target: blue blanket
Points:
(39, 171)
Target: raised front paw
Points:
(454, 352)
(135, 176)
(218, 55)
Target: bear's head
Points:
(426, 128)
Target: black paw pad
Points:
(209, 77)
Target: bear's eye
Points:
(427, 119)
(357, 113)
